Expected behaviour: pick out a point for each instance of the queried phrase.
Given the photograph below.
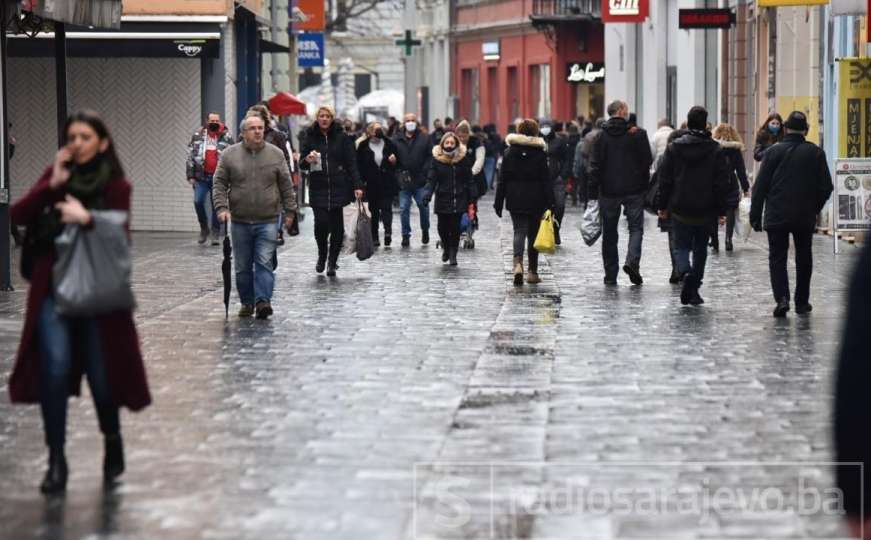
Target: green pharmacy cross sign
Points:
(408, 43)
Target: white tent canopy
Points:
(378, 105)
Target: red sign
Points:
(310, 16)
(705, 18)
(625, 11)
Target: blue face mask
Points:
(774, 129)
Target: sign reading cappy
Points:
(625, 11)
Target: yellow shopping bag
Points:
(545, 241)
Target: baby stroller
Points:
(468, 226)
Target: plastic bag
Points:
(545, 240)
(742, 224)
(591, 224)
(363, 242)
(91, 274)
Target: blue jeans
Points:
(405, 197)
(253, 247)
(633, 209)
(203, 204)
(490, 170)
(57, 338)
(691, 239)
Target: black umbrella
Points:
(225, 272)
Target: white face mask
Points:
(410, 126)
(545, 131)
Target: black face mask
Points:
(214, 126)
(379, 133)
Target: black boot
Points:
(322, 262)
(675, 276)
(204, 234)
(781, 308)
(113, 458)
(55, 480)
(452, 256)
(686, 291)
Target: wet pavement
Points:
(408, 399)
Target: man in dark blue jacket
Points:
(415, 153)
(694, 186)
(793, 184)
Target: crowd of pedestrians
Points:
(698, 179)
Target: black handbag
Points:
(404, 179)
(91, 274)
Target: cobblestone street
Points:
(408, 399)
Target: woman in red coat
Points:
(55, 351)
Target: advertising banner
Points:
(852, 195)
(854, 107)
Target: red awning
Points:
(284, 104)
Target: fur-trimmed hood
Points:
(731, 144)
(516, 139)
(440, 155)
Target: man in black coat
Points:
(559, 165)
(415, 154)
(793, 184)
(619, 172)
(694, 187)
(852, 404)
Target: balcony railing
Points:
(566, 10)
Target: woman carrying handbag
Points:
(57, 348)
(526, 188)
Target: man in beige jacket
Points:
(252, 186)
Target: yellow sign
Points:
(776, 3)
(854, 108)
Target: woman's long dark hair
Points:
(93, 119)
(764, 129)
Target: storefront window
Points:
(539, 77)
(470, 94)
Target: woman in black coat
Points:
(377, 160)
(733, 149)
(450, 179)
(768, 135)
(334, 182)
(526, 186)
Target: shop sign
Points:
(854, 107)
(490, 50)
(586, 73)
(625, 11)
(308, 16)
(310, 50)
(777, 3)
(705, 18)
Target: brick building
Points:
(513, 58)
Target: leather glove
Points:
(498, 211)
(756, 226)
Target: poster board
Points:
(852, 196)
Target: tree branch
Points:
(353, 9)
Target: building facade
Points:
(428, 68)
(153, 80)
(528, 58)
